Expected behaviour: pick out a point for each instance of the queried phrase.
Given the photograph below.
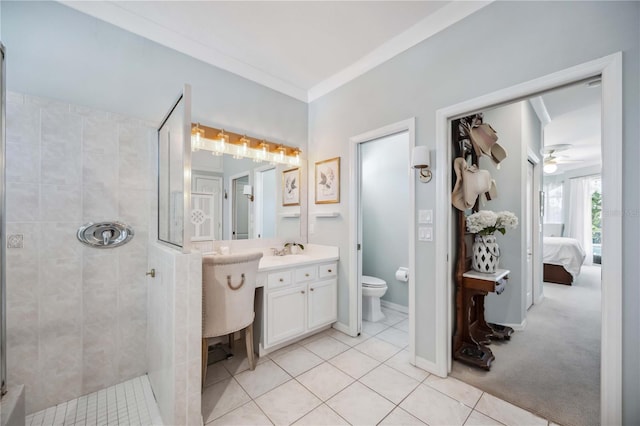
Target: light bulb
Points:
(550, 168)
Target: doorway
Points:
(239, 207)
(611, 347)
(265, 202)
(401, 137)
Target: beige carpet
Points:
(553, 366)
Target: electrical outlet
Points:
(425, 233)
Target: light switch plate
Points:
(425, 233)
(425, 216)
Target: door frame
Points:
(535, 159)
(355, 284)
(610, 70)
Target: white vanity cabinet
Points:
(299, 300)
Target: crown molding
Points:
(429, 26)
(140, 25)
(541, 110)
(114, 14)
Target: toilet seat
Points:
(372, 282)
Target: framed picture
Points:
(328, 181)
(291, 187)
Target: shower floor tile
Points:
(127, 403)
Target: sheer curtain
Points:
(579, 222)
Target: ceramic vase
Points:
(486, 254)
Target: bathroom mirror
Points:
(242, 199)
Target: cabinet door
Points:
(323, 303)
(286, 314)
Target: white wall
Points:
(76, 316)
(385, 206)
(501, 45)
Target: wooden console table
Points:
(474, 331)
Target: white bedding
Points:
(566, 252)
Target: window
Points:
(553, 202)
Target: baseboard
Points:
(342, 328)
(430, 367)
(516, 327)
(394, 306)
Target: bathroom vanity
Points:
(296, 296)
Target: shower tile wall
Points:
(76, 316)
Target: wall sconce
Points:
(248, 191)
(421, 161)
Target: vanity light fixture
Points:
(248, 191)
(420, 160)
(242, 146)
(198, 134)
(281, 154)
(296, 159)
(264, 150)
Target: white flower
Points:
(486, 222)
(506, 219)
(481, 220)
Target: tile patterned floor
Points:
(335, 379)
(128, 403)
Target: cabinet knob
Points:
(281, 280)
(311, 289)
(306, 275)
(302, 292)
(330, 270)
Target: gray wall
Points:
(503, 44)
(507, 308)
(518, 128)
(60, 53)
(385, 207)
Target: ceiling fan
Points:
(551, 160)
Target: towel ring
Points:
(231, 285)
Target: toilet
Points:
(372, 290)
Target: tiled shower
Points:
(76, 316)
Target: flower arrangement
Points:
(486, 222)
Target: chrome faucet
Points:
(279, 252)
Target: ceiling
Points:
(575, 114)
(304, 49)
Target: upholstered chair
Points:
(228, 291)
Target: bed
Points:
(562, 259)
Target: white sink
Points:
(289, 259)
